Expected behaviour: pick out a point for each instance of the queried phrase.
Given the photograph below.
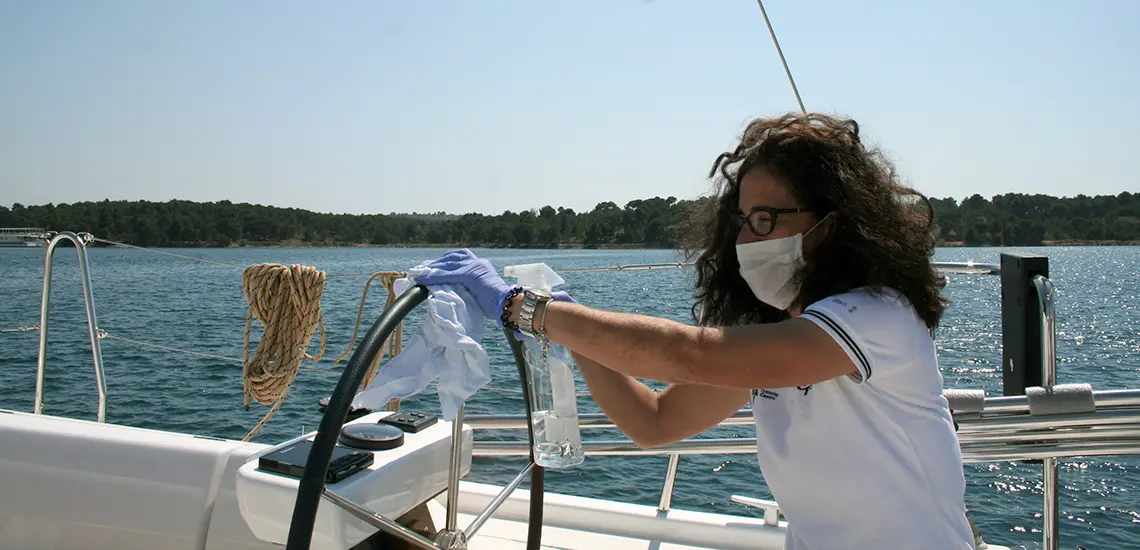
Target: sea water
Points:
(180, 304)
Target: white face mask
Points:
(769, 268)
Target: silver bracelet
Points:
(542, 328)
(545, 308)
(531, 300)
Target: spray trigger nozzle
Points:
(538, 276)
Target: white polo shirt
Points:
(868, 460)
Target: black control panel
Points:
(410, 421)
(291, 460)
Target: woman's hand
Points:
(461, 267)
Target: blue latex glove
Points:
(461, 267)
(560, 296)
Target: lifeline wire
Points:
(103, 334)
(640, 267)
(183, 256)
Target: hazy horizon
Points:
(368, 107)
(459, 213)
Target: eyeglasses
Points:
(762, 219)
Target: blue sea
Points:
(193, 306)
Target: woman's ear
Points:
(831, 223)
(823, 229)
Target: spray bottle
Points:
(557, 439)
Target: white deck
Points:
(71, 483)
(572, 523)
(576, 523)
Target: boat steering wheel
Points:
(312, 485)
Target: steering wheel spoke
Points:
(379, 521)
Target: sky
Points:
(395, 106)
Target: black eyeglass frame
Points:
(738, 220)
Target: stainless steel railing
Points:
(80, 242)
(1045, 300)
(670, 480)
(1004, 430)
(1012, 405)
(968, 268)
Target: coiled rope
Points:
(286, 300)
(287, 303)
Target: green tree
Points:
(1010, 219)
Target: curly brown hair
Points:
(878, 238)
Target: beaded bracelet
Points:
(505, 317)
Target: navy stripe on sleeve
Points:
(838, 330)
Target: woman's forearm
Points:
(634, 345)
(775, 355)
(629, 403)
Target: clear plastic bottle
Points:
(557, 437)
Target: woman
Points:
(817, 300)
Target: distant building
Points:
(20, 236)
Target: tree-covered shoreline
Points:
(1012, 219)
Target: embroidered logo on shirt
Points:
(805, 389)
(766, 394)
(850, 308)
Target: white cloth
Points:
(869, 460)
(449, 348)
